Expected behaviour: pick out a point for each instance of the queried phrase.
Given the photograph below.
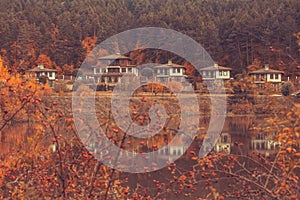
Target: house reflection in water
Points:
(176, 149)
(238, 137)
(224, 143)
(260, 143)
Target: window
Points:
(220, 73)
(109, 79)
(259, 137)
(129, 69)
(257, 146)
(174, 70)
(225, 73)
(263, 145)
(165, 71)
(178, 152)
(276, 76)
(117, 62)
(178, 70)
(123, 70)
(271, 76)
(178, 79)
(167, 151)
(113, 70)
(224, 139)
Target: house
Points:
(40, 71)
(267, 75)
(109, 69)
(169, 72)
(223, 143)
(215, 72)
(260, 143)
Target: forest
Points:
(43, 149)
(235, 33)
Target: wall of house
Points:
(51, 75)
(223, 147)
(267, 78)
(172, 151)
(276, 78)
(162, 72)
(176, 72)
(223, 74)
(259, 78)
(208, 75)
(263, 144)
(135, 71)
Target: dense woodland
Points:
(42, 156)
(235, 33)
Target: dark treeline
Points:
(235, 33)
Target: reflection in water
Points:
(224, 143)
(236, 131)
(237, 138)
(16, 137)
(260, 143)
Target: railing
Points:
(64, 77)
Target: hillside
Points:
(236, 33)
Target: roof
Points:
(114, 57)
(177, 141)
(129, 65)
(267, 71)
(40, 68)
(169, 64)
(216, 67)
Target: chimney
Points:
(267, 67)
(169, 62)
(41, 66)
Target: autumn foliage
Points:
(53, 163)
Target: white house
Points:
(215, 72)
(109, 69)
(266, 75)
(224, 143)
(40, 71)
(169, 72)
